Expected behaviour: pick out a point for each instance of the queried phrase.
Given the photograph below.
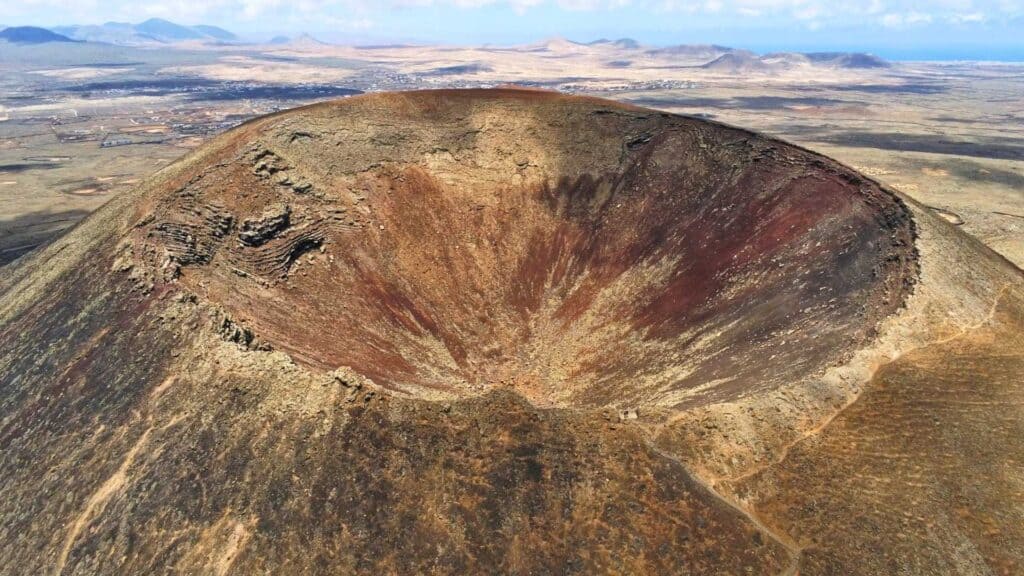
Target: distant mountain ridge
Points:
(167, 30)
(215, 32)
(154, 30)
(31, 35)
(725, 58)
(737, 61)
(625, 43)
(744, 61)
(303, 40)
(712, 57)
(848, 59)
(692, 51)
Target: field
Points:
(80, 123)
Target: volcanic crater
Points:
(581, 254)
(510, 332)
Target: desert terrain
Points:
(80, 123)
(558, 308)
(510, 331)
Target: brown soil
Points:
(578, 253)
(509, 332)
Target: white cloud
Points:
(905, 19)
(592, 4)
(357, 13)
(971, 18)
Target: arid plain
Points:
(509, 330)
(80, 123)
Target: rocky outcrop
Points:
(258, 231)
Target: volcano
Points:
(510, 331)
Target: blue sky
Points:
(908, 29)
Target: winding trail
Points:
(98, 501)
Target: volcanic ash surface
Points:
(490, 332)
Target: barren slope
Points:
(508, 332)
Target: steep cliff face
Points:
(494, 332)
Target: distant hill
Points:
(739, 61)
(625, 43)
(709, 51)
(555, 44)
(215, 32)
(306, 40)
(279, 40)
(848, 60)
(31, 35)
(786, 59)
(167, 30)
(109, 33)
(743, 61)
(152, 31)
